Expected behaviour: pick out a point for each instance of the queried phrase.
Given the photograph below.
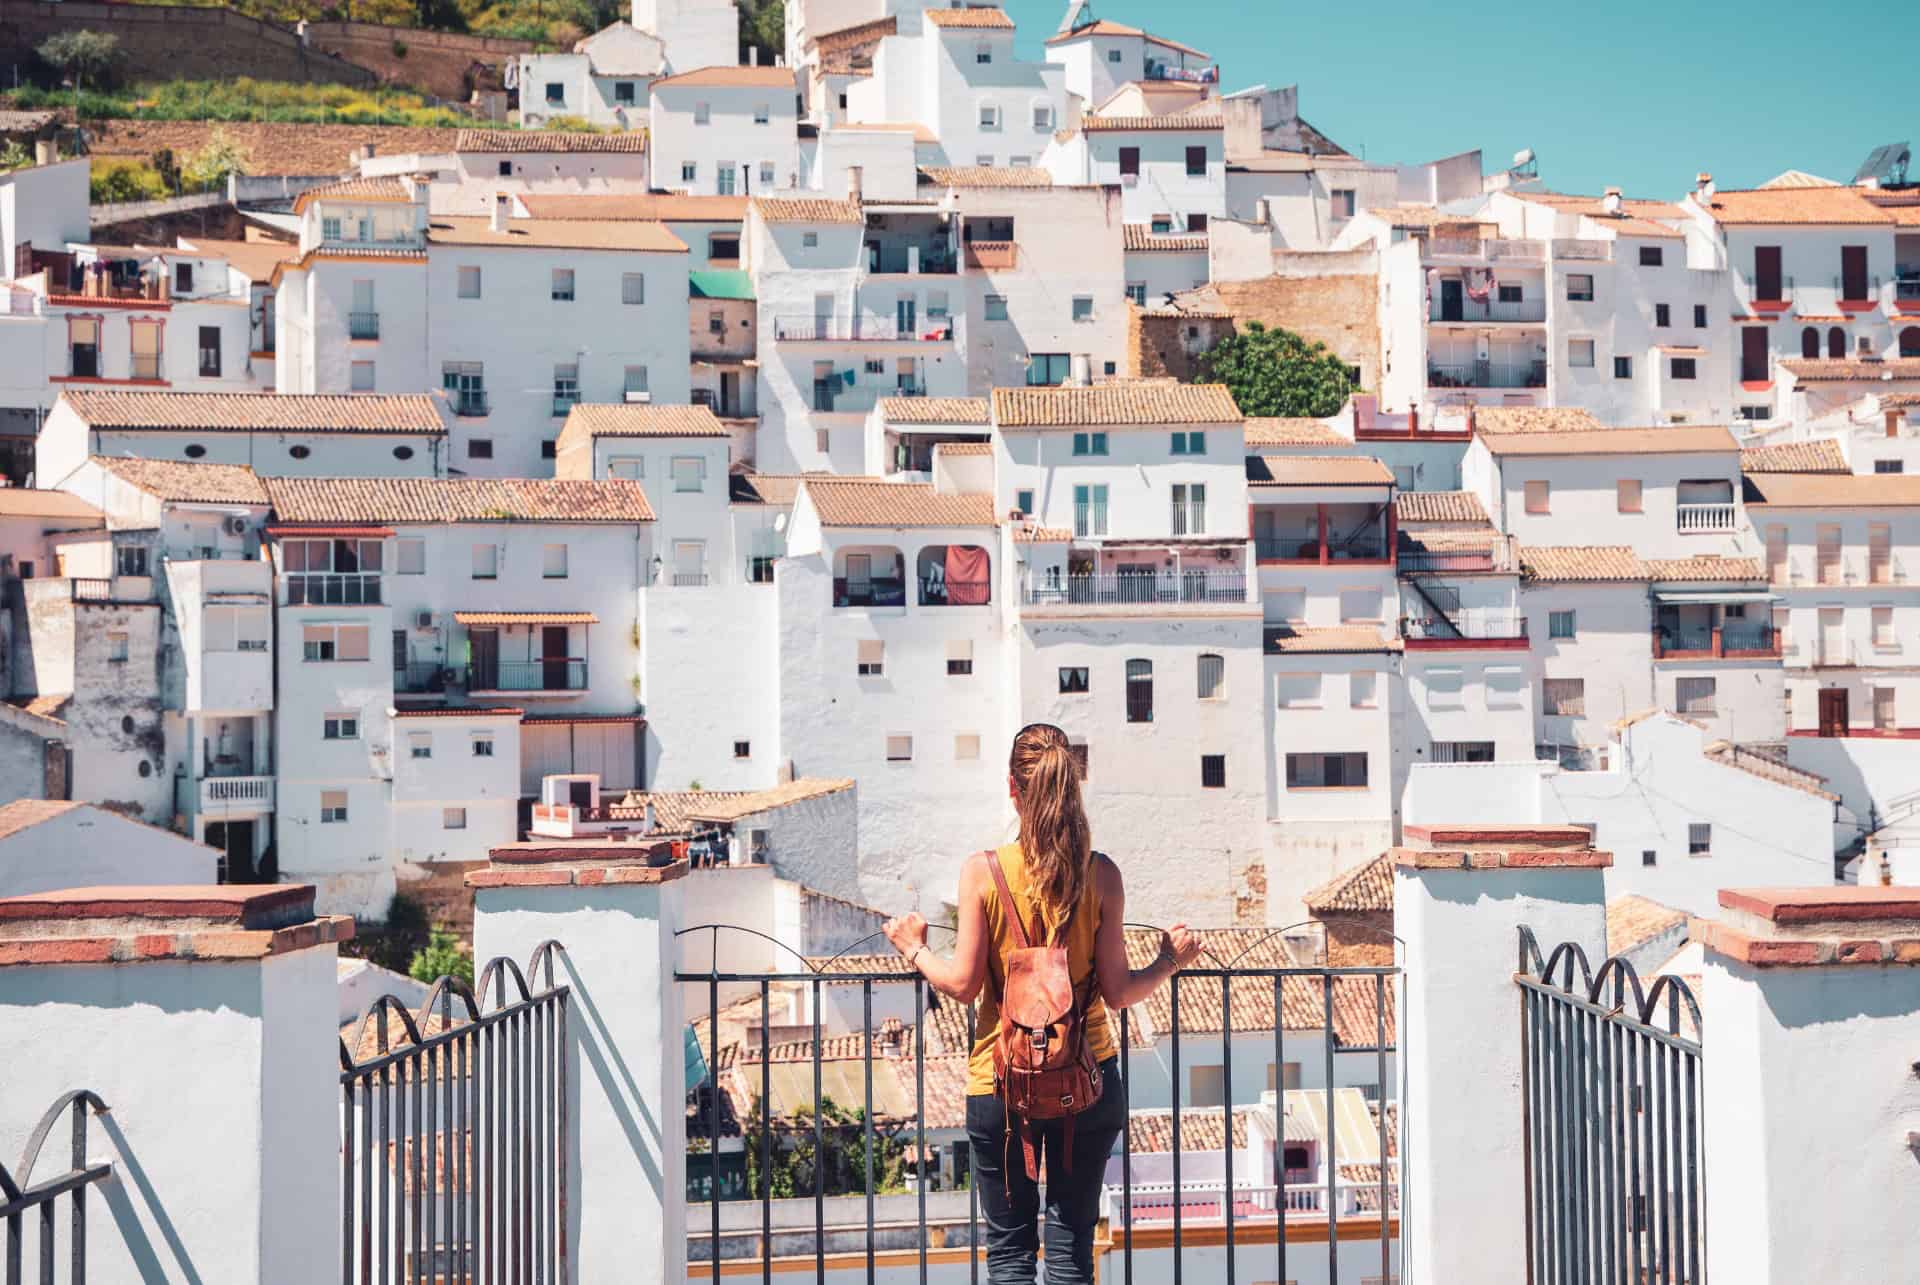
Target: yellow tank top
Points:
(1081, 934)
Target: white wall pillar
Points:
(615, 916)
(1460, 896)
(204, 1018)
(1811, 1017)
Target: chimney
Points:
(1703, 188)
(753, 55)
(45, 152)
(1893, 423)
(1610, 200)
(853, 183)
(499, 221)
(1262, 213)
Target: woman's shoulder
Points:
(1106, 873)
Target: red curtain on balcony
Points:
(966, 575)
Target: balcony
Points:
(1859, 295)
(1583, 249)
(1906, 283)
(1479, 312)
(760, 569)
(471, 403)
(1487, 374)
(549, 674)
(1471, 628)
(994, 255)
(1124, 589)
(814, 329)
(363, 325)
(424, 678)
(236, 794)
(879, 591)
(333, 588)
(1704, 519)
(1732, 639)
(920, 259)
(1773, 294)
(1488, 249)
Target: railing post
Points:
(1809, 1087)
(206, 1018)
(626, 1212)
(1461, 894)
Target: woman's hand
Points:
(1179, 945)
(907, 933)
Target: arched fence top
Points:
(1616, 987)
(450, 1006)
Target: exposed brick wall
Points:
(1359, 940)
(271, 148)
(441, 889)
(167, 42)
(1339, 311)
(435, 61)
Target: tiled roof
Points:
(1795, 205)
(23, 814)
(736, 77)
(945, 1105)
(1827, 370)
(936, 410)
(548, 140)
(1025, 532)
(944, 449)
(187, 482)
(53, 708)
(526, 618)
(1822, 456)
(869, 502)
(1366, 887)
(764, 488)
(1103, 27)
(1833, 490)
(28, 502)
(1201, 1129)
(657, 206)
(1117, 405)
(1533, 419)
(861, 33)
(1140, 238)
(1581, 562)
(1317, 470)
(681, 809)
(976, 19)
(985, 176)
(1438, 506)
(356, 189)
(556, 234)
(1768, 768)
(465, 499)
(588, 420)
(803, 209)
(458, 711)
(1796, 178)
(1271, 430)
(258, 412)
(1301, 999)
(1636, 217)
(1676, 440)
(254, 260)
(1705, 567)
(1183, 121)
(1634, 921)
(921, 133)
(1326, 641)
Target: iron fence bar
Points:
(819, 1156)
(866, 1121)
(415, 1167)
(713, 1114)
(766, 1150)
(386, 1162)
(1380, 1078)
(1693, 1172)
(1173, 1021)
(1279, 1121)
(919, 1108)
(1333, 1131)
(346, 1187)
(435, 1177)
(1226, 1077)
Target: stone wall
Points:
(169, 42)
(434, 61)
(1341, 311)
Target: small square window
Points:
(361, 377)
(899, 749)
(996, 307)
(469, 283)
(960, 657)
(743, 749)
(1213, 771)
(420, 745)
(1580, 287)
(702, 113)
(809, 240)
(1089, 443)
(1539, 497)
(689, 473)
(1580, 353)
(1650, 256)
(340, 727)
(1889, 466)
(1083, 307)
(689, 171)
(1196, 162)
(553, 562)
(1113, 55)
(623, 95)
(486, 561)
(1560, 624)
(116, 646)
(1699, 316)
(506, 169)
(1648, 857)
(871, 659)
(1023, 500)
(562, 290)
(1700, 839)
(1684, 368)
(633, 288)
(762, 113)
(1626, 495)
(333, 806)
(453, 818)
(966, 746)
(821, 441)
(1510, 292)
(483, 747)
(1073, 680)
(1623, 368)
(1344, 200)
(479, 448)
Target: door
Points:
(580, 794)
(485, 659)
(235, 840)
(1766, 272)
(1833, 711)
(553, 658)
(1753, 355)
(1833, 637)
(822, 315)
(904, 317)
(1853, 273)
(729, 393)
(1452, 302)
(859, 579)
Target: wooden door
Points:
(1452, 301)
(1753, 355)
(1853, 272)
(1833, 711)
(553, 658)
(485, 659)
(1766, 272)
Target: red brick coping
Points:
(1812, 927)
(1501, 859)
(559, 863)
(146, 924)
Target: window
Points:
(899, 749)
(982, 52)
(966, 746)
(996, 307)
(1699, 316)
(1189, 508)
(361, 380)
(1580, 287)
(1694, 696)
(1213, 771)
(1566, 697)
(469, 283)
(1648, 857)
(1083, 307)
(762, 113)
(83, 346)
(334, 642)
(1363, 689)
(1880, 550)
(182, 278)
(410, 557)
(1343, 203)
(623, 95)
(1889, 466)
(1461, 752)
(1446, 689)
(743, 749)
(1089, 443)
(809, 240)
(505, 169)
(1043, 118)
(1700, 839)
(1506, 687)
(486, 561)
(562, 288)
(1580, 353)
(870, 660)
(1139, 691)
(1090, 510)
(766, 173)
(1047, 369)
(146, 336)
(689, 171)
(689, 473)
(634, 379)
(1626, 495)
(420, 745)
(209, 350)
(1137, 291)
(1650, 256)
(1883, 639)
(1560, 624)
(553, 562)
(1326, 771)
(116, 646)
(1623, 368)
(1809, 342)
(130, 560)
(1212, 677)
(821, 440)
(479, 448)
(724, 180)
(1511, 293)
(1539, 497)
(482, 747)
(1129, 163)
(959, 656)
(633, 288)
(1297, 691)
(702, 113)
(1194, 443)
(1073, 680)
(333, 806)
(453, 818)
(1197, 164)
(566, 391)
(1023, 500)
(1662, 315)
(1684, 368)
(1883, 708)
(556, 93)
(330, 228)
(340, 727)
(989, 117)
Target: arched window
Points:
(1910, 342)
(1139, 691)
(1810, 342)
(1836, 343)
(1212, 677)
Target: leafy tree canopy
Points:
(441, 957)
(1276, 372)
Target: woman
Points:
(1054, 877)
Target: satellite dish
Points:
(780, 522)
(1523, 157)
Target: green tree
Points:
(763, 26)
(442, 956)
(206, 168)
(1276, 372)
(80, 53)
(118, 181)
(15, 155)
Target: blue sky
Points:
(1640, 94)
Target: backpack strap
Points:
(1007, 908)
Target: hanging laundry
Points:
(1485, 289)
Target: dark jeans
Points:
(1010, 1201)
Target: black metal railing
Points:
(1611, 1096)
(1128, 588)
(417, 677)
(333, 588)
(21, 1196)
(454, 1132)
(363, 325)
(556, 674)
(1250, 1216)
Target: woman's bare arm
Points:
(960, 976)
(1121, 986)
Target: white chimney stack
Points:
(499, 221)
(1610, 200)
(853, 183)
(1703, 187)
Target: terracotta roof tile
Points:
(1317, 470)
(1822, 456)
(1115, 405)
(936, 410)
(1201, 1128)
(802, 209)
(356, 189)
(1634, 921)
(1439, 506)
(1833, 490)
(421, 499)
(1581, 562)
(972, 19)
(556, 234)
(526, 618)
(736, 77)
(1768, 768)
(1182, 121)
(861, 33)
(548, 140)
(258, 412)
(188, 482)
(1795, 205)
(653, 206)
(1104, 27)
(921, 133)
(29, 502)
(1140, 238)
(962, 448)
(588, 420)
(1326, 641)
(1533, 419)
(1368, 886)
(869, 502)
(1705, 567)
(765, 488)
(23, 814)
(1637, 217)
(1301, 1000)
(1026, 532)
(1675, 440)
(681, 809)
(1796, 178)
(1269, 430)
(254, 260)
(985, 176)
(52, 708)
(1826, 369)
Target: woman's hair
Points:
(1054, 836)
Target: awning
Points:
(526, 617)
(1682, 597)
(720, 283)
(1355, 1131)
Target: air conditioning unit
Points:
(236, 526)
(423, 620)
(642, 397)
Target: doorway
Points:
(234, 839)
(485, 659)
(1452, 302)
(1833, 711)
(553, 658)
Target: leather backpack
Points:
(1042, 1067)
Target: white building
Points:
(603, 80)
(697, 33)
(1101, 57)
(1171, 170)
(48, 844)
(725, 131)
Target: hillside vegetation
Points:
(247, 99)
